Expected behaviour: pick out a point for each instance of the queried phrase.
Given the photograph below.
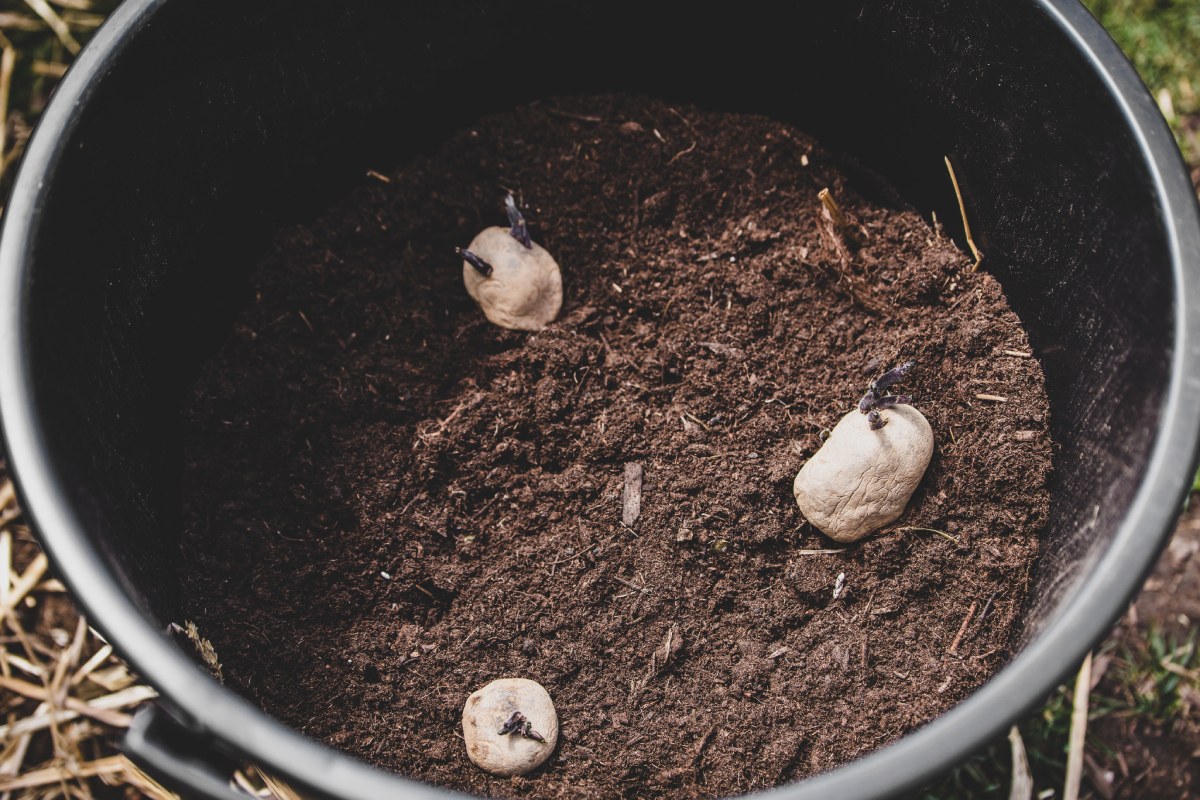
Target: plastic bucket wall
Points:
(188, 131)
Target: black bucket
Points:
(187, 131)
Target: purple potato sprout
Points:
(877, 398)
(518, 724)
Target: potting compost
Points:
(390, 502)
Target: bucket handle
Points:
(184, 760)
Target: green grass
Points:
(1150, 681)
(1162, 39)
(1150, 678)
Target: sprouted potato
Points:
(864, 475)
(510, 726)
(516, 283)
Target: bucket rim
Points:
(211, 711)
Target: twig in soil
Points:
(683, 119)
(947, 536)
(681, 153)
(1017, 354)
(835, 211)
(661, 658)
(553, 564)
(425, 435)
(643, 589)
(852, 283)
(962, 629)
(962, 208)
(853, 234)
(631, 495)
(987, 607)
(1079, 721)
(991, 398)
(481, 266)
(936, 224)
(558, 112)
(609, 353)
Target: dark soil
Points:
(390, 502)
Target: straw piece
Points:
(16, 758)
(5, 565)
(67, 660)
(94, 708)
(55, 23)
(98, 658)
(99, 713)
(21, 586)
(132, 775)
(13, 21)
(113, 679)
(25, 665)
(74, 5)
(204, 647)
(1079, 721)
(1022, 781)
(60, 774)
(962, 208)
(279, 789)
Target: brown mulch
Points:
(389, 502)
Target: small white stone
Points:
(524, 291)
(862, 479)
(486, 712)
